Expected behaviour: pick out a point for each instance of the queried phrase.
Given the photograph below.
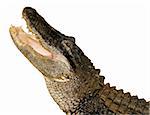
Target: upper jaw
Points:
(46, 33)
(37, 25)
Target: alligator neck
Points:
(92, 96)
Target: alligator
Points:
(71, 78)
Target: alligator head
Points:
(46, 48)
(58, 58)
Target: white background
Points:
(114, 34)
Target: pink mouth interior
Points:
(26, 39)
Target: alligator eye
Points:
(29, 11)
(70, 38)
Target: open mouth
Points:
(33, 39)
(41, 40)
(21, 38)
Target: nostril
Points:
(28, 11)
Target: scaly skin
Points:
(72, 80)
